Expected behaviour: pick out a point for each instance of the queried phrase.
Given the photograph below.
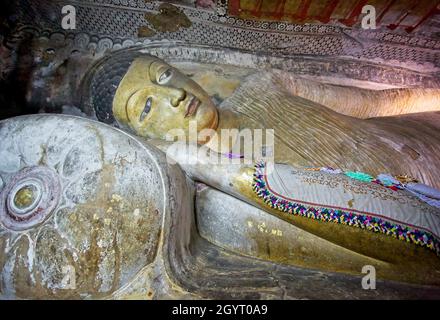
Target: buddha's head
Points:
(154, 98)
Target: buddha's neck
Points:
(226, 131)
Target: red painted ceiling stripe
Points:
(325, 17)
(303, 9)
(352, 18)
(433, 11)
(402, 17)
(234, 7)
(258, 9)
(385, 10)
(279, 12)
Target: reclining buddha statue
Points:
(91, 211)
(355, 167)
(398, 142)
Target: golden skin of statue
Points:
(166, 103)
(154, 98)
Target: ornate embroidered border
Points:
(375, 224)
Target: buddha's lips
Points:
(193, 105)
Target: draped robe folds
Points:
(309, 134)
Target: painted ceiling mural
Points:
(326, 31)
(406, 14)
(407, 31)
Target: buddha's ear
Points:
(119, 105)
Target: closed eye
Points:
(146, 110)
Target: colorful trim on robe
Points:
(375, 224)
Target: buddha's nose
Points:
(178, 96)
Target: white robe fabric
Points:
(319, 189)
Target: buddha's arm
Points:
(362, 103)
(204, 165)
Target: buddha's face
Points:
(154, 98)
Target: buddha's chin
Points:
(206, 118)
